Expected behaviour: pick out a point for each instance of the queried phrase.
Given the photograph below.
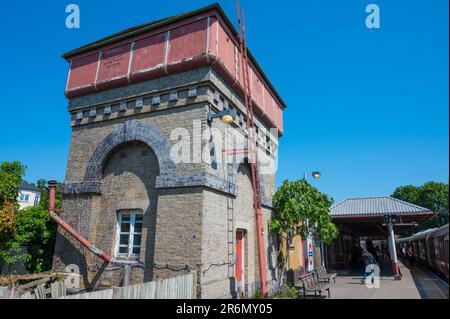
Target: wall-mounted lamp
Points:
(226, 116)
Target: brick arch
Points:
(131, 131)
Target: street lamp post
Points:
(316, 175)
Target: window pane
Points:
(125, 228)
(137, 240)
(124, 239)
(123, 250)
(138, 228)
(125, 218)
(136, 250)
(138, 218)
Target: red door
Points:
(239, 256)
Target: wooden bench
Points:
(324, 276)
(311, 284)
(293, 277)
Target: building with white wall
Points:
(29, 195)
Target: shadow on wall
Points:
(72, 255)
(128, 183)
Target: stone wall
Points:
(120, 159)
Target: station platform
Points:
(417, 283)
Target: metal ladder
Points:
(230, 221)
(230, 208)
(252, 149)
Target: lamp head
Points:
(226, 116)
(316, 174)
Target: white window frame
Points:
(27, 196)
(131, 234)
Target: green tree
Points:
(431, 195)
(11, 174)
(30, 228)
(294, 203)
(7, 223)
(35, 231)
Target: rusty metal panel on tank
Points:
(257, 88)
(213, 36)
(114, 63)
(187, 42)
(268, 104)
(279, 118)
(226, 51)
(82, 71)
(149, 53)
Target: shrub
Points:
(287, 291)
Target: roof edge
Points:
(129, 32)
(377, 197)
(424, 212)
(28, 186)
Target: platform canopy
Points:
(367, 216)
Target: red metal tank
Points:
(201, 37)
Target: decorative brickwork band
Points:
(132, 130)
(196, 179)
(81, 188)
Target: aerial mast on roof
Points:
(252, 150)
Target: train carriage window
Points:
(422, 251)
(436, 247)
(433, 248)
(446, 250)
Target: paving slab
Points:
(416, 283)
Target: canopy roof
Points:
(375, 206)
(365, 216)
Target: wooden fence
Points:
(182, 287)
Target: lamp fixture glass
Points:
(227, 118)
(316, 174)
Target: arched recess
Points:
(244, 214)
(128, 191)
(243, 159)
(131, 131)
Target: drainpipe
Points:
(68, 228)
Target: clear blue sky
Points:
(368, 108)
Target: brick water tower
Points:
(146, 182)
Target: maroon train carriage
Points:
(430, 249)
